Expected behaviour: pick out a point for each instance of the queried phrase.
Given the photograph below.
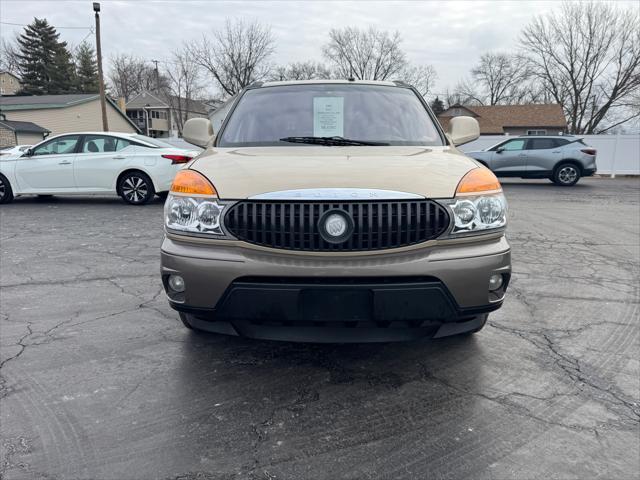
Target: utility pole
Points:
(157, 76)
(103, 99)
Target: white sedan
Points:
(133, 166)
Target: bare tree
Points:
(236, 56)
(499, 78)
(184, 85)
(300, 71)
(422, 77)
(9, 60)
(365, 54)
(130, 75)
(587, 57)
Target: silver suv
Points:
(563, 160)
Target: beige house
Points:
(20, 133)
(150, 114)
(162, 116)
(66, 113)
(9, 83)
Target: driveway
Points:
(100, 379)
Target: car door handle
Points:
(556, 151)
(522, 155)
(65, 163)
(119, 157)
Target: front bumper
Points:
(263, 293)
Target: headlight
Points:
(478, 213)
(193, 214)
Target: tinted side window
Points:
(58, 146)
(121, 143)
(103, 144)
(561, 141)
(541, 143)
(513, 145)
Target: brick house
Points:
(532, 119)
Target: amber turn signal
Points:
(192, 182)
(479, 180)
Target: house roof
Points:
(32, 102)
(146, 99)
(190, 105)
(23, 127)
(494, 118)
(39, 102)
(150, 100)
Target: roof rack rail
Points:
(401, 83)
(254, 85)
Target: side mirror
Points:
(198, 131)
(27, 153)
(499, 149)
(463, 130)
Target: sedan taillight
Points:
(175, 159)
(589, 151)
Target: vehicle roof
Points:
(547, 136)
(315, 82)
(114, 134)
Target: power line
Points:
(66, 28)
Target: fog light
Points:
(176, 283)
(495, 282)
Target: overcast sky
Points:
(448, 35)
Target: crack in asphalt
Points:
(572, 368)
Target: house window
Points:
(536, 132)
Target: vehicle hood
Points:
(245, 172)
(473, 153)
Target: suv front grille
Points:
(377, 225)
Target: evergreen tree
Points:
(86, 69)
(44, 62)
(437, 106)
(63, 75)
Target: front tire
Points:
(6, 193)
(566, 174)
(136, 188)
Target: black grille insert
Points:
(378, 225)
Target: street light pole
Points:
(103, 99)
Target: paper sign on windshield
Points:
(328, 117)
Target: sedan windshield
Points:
(329, 114)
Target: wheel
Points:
(566, 174)
(136, 188)
(6, 194)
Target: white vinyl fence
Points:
(617, 154)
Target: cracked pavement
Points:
(100, 380)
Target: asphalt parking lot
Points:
(99, 379)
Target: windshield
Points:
(365, 113)
(152, 141)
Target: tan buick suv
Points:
(334, 211)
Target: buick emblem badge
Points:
(335, 226)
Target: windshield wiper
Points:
(336, 141)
